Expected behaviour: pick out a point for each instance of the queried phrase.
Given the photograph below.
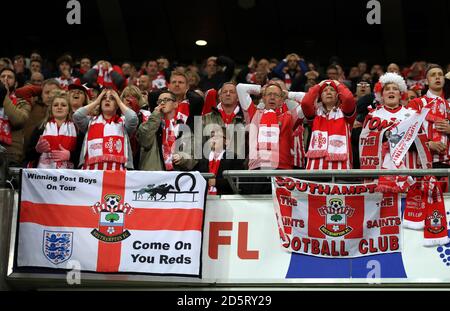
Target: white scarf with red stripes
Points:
(66, 136)
(169, 136)
(329, 138)
(268, 138)
(5, 126)
(106, 141)
(438, 111)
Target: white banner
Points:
(135, 221)
(336, 220)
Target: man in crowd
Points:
(218, 70)
(85, 65)
(22, 72)
(226, 115)
(292, 71)
(437, 122)
(165, 145)
(38, 114)
(104, 74)
(270, 129)
(190, 102)
(157, 80)
(66, 72)
(14, 115)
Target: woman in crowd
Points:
(379, 133)
(78, 96)
(106, 145)
(330, 107)
(134, 99)
(53, 143)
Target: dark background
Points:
(120, 30)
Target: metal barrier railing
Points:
(230, 175)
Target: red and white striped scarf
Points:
(425, 210)
(438, 111)
(287, 80)
(330, 136)
(106, 141)
(5, 125)
(104, 77)
(227, 118)
(169, 135)
(182, 112)
(298, 149)
(66, 136)
(214, 164)
(268, 138)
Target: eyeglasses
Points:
(276, 95)
(363, 84)
(164, 100)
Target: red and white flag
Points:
(336, 220)
(112, 221)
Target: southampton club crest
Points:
(112, 215)
(336, 215)
(435, 220)
(57, 246)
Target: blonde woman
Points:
(106, 145)
(133, 98)
(53, 143)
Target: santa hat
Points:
(392, 77)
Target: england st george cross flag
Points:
(112, 221)
(336, 220)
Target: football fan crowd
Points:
(270, 114)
